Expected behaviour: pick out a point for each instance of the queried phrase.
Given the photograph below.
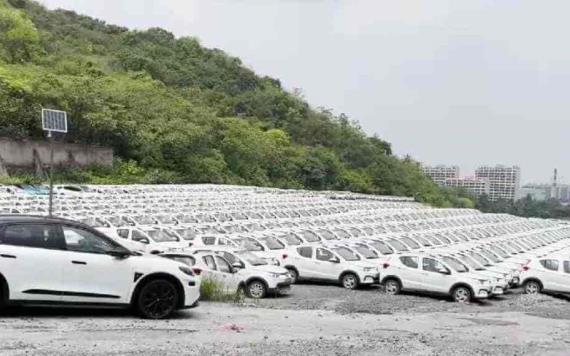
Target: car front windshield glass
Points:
(366, 252)
(310, 237)
(471, 263)
(347, 254)
(455, 264)
(161, 236)
(273, 243)
(482, 260)
(382, 247)
(398, 245)
(252, 259)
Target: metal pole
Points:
(50, 136)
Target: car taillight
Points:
(285, 256)
(197, 271)
(385, 265)
(525, 268)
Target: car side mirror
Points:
(144, 241)
(236, 266)
(334, 260)
(443, 270)
(119, 253)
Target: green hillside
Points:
(175, 111)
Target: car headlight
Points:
(274, 275)
(275, 262)
(187, 271)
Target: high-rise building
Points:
(439, 174)
(476, 186)
(504, 182)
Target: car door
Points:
(231, 279)
(550, 275)
(433, 280)
(324, 266)
(213, 273)
(410, 273)
(565, 278)
(91, 275)
(304, 262)
(32, 259)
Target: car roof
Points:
(35, 219)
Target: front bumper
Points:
(368, 278)
(482, 293)
(281, 288)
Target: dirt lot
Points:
(314, 320)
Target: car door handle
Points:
(79, 262)
(7, 256)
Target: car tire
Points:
(294, 275)
(462, 294)
(256, 289)
(532, 287)
(157, 299)
(392, 287)
(349, 281)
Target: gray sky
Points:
(446, 81)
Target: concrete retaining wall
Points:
(29, 154)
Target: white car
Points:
(547, 274)
(428, 274)
(147, 239)
(57, 261)
(338, 265)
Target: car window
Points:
(567, 266)
(550, 264)
(32, 235)
(306, 252)
(209, 240)
(123, 233)
(209, 261)
(187, 260)
(409, 261)
(223, 265)
(80, 240)
(139, 237)
(229, 257)
(431, 265)
(324, 255)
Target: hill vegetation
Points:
(175, 111)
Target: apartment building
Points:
(439, 174)
(475, 186)
(504, 182)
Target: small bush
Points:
(214, 291)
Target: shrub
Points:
(213, 290)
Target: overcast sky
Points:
(446, 81)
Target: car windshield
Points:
(471, 263)
(382, 247)
(482, 260)
(455, 264)
(291, 239)
(161, 236)
(490, 256)
(398, 245)
(186, 234)
(272, 243)
(369, 254)
(342, 234)
(410, 242)
(327, 235)
(346, 254)
(252, 259)
(187, 260)
(499, 251)
(310, 236)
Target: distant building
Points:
(537, 192)
(504, 182)
(439, 174)
(475, 186)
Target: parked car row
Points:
(261, 241)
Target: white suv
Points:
(56, 261)
(549, 274)
(429, 274)
(336, 264)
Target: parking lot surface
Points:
(316, 320)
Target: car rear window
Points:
(32, 235)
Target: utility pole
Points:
(53, 121)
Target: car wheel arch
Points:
(461, 284)
(256, 279)
(160, 275)
(391, 277)
(4, 290)
(344, 273)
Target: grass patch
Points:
(213, 290)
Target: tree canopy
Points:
(175, 111)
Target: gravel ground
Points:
(314, 320)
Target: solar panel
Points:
(54, 120)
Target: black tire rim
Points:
(294, 275)
(158, 299)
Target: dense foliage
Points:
(526, 207)
(175, 111)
